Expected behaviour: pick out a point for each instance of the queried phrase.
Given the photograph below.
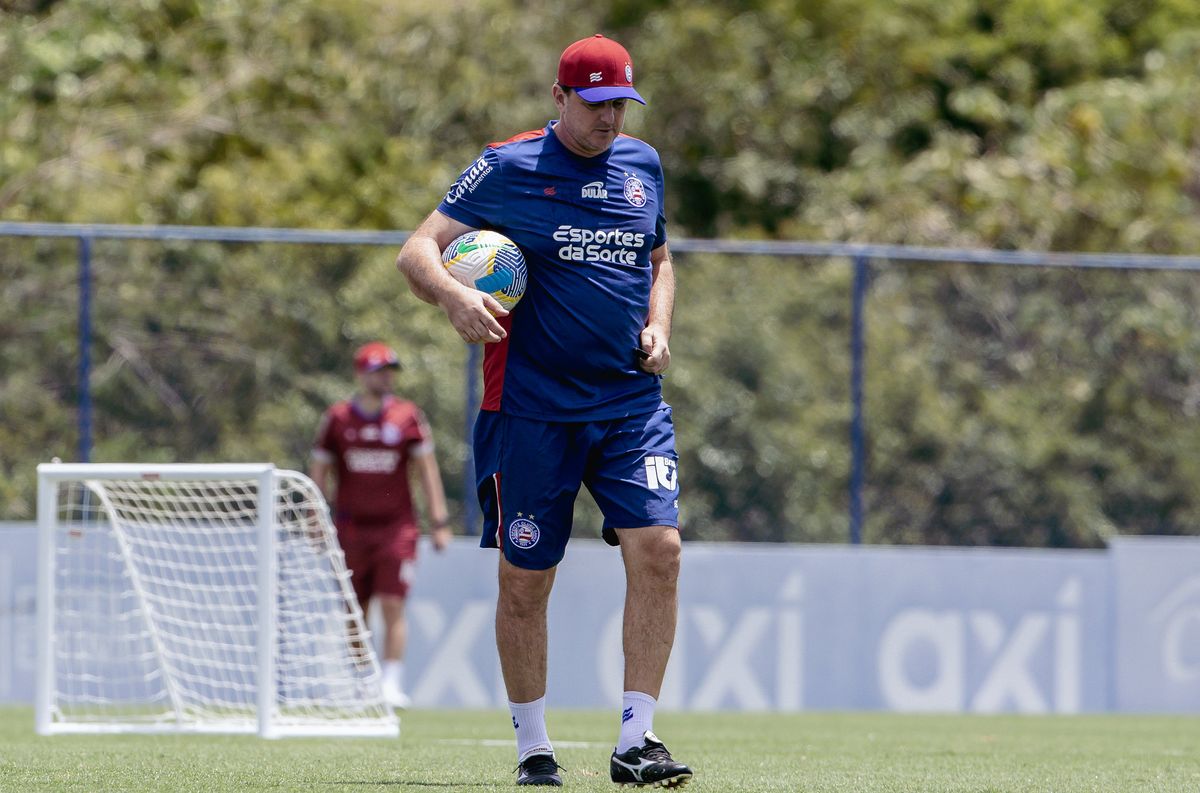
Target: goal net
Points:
(197, 598)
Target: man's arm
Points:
(656, 336)
(318, 471)
(471, 312)
(435, 498)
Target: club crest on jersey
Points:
(635, 191)
(594, 190)
(390, 434)
(524, 533)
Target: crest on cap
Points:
(598, 69)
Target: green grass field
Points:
(472, 751)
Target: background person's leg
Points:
(395, 636)
(395, 641)
(392, 559)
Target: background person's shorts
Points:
(380, 556)
(528, 473)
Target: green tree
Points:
(1004, 405)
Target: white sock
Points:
(529, 720)
(637, 716)
(393, 674)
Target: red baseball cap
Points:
(374, 356)
(598, 69)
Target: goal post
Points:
(197, 598)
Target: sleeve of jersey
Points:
(660, 222)
(476, 198)
(422, 436)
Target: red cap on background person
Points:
(376, 355)
(598, 69)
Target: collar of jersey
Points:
(598, 160)
(362, 414)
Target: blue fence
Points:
(861, 257)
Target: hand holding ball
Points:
(490, 262)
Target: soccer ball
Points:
(490, 262)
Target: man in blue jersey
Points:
(572, 391)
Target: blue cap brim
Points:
(384, 365)
(603, 93)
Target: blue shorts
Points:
(528, 473)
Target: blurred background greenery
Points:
(1004, 405)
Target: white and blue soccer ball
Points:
(490, 262)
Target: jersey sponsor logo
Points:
(635, 191)
(469, 180)
(661, 473)
(594, 190)
(524, 533)
(599, 245)
(372, 461)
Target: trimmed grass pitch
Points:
(473, 751)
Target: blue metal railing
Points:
(859, 254)
(858, 351)
(85, 349)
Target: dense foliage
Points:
(1004, 405)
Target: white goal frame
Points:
(381, 722)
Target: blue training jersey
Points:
(587, 226)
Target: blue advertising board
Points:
(765, 627)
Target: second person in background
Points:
(368, 443)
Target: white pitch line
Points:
(511, 742)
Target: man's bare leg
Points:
(651, 557)
(395, 639)
(522, 644)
